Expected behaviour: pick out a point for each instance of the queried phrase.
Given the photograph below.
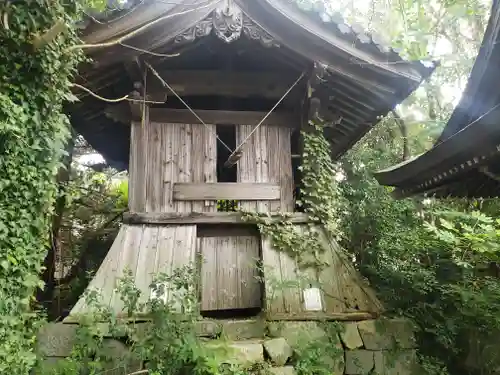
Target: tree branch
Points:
(140, 29)
(4, 18)
(40, 41)
(114, 100)
(139, 372)
(404, 133)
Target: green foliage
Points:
(89, 223)
(120, 192)
(323, 356)
(472, 236)
(442, 274)
(320, 194)
(33, 131)
(320, 200)
(432, 261)
(165, 340)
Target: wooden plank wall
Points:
(342, 289)
(226, 190)
(146, 251)
(162, 154)
(267, 157)
(229, 272)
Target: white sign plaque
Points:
(312, 299)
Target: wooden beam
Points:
(201, 331)
(234, 84)
(222, 230)
(227, 190)
(347, 316)
(486, 171)
(184, 116)
(136, 71)
(190, 218)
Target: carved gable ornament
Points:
(227, 22)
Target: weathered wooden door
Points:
(229, 272)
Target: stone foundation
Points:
(385, 347)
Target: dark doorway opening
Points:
(296, 161)
(226, 134)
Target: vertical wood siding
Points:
(342, 289)
(146, 251)
(163, 154)
(229, 273)
(267, 157)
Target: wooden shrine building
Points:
(465, 160)
(221, 90)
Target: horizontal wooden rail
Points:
(224, 83)
(190, 218)
(219, 117)
(226, 190)
(309, 316)
(340, 316)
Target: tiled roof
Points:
(361, 82)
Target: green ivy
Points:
(33, 131)
(320, 191)
(320, 199)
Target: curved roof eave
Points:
(318, 39)
(477, 99)
(443, 156)
(472, 124)
(323, 40)
(374, 75)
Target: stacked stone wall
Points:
(384, 347)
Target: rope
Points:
(237, 151)
(185, 104)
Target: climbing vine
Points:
(320, 193)
(35, 80)
(320, 199)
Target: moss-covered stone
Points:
(286, 370)
(397, 362)
(243, 352)
(118, 359)
(243, 329)
(359, 362)
(56, 340)
(350, 336)
(387, 334)
(403, 332)
(208, 328)
(297, 334)
(279, 350)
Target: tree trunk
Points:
(404, 135)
